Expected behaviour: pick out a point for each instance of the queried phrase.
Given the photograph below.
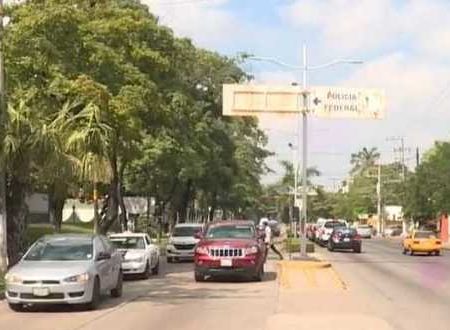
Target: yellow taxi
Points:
(422, 241)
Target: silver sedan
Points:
(65, 269)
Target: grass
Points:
(292, 245)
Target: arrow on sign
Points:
(316, 101)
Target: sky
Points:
(405, 46)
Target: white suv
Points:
(326, 228)
(182, 241)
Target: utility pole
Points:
(417, 157)
(379, 215)
(305, 155)
(3, 223)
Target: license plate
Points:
(41, 292)
(226, 262)
(346, 239)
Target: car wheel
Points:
(117, 291)
(438, 253)
(411, 252)
(169, 260)
(147, 272)
(95, 300)
(357, 249)
(16, 307)
(199, 277)
(405, 251)
(258, 277)
(155, 270)
(330, 247)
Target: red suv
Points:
(230, 248)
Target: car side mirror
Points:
(198, 235)
(103, 256)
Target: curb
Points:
(303, 264)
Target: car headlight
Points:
(138, 259)
(251, 250)
(201, 250)
(82, 278)
(12, 279)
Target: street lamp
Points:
(295, 165)
(304, 116)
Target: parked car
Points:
(140, 254)
(365, 231)
(325, 231)
(393, 231)
(65, 269)
(182, 241)
(344, 239)
(230, 248)
(422, 241)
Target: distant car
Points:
(182, 241)
(393, 231)
(324, 232)
(345, 239)
(422, 241)
(365, 231)
(65, 269)
(230, 248)
(140, 254)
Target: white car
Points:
(326, 228)
(182, 241)
(365, 231)
(140, 254)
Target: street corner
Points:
(323, 322)
(304, 275)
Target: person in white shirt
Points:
(268, 240)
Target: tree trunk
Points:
(123, 209)
(185, 201)
(17, 212)
(113, 203)
(96, 213)
(56, 200)
(212, 210)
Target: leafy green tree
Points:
(364, 160)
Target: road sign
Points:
(328, 102)
(339, 102)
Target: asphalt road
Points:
(409, 292)
(172, 300)
(383, 289)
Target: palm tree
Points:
(289, 173)
(89, 141)
(364, 160)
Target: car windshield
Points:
(136, 243)
(230, 231)
(424, 234)
(186, 231)
(334, 224)
(61, 249)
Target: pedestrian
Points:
(268, 240)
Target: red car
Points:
(230, 248)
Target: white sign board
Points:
(328, 102)
(339, 102)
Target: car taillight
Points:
(416, 242)
(201, 250)
(357, 237)
(438, 242)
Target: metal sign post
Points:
(325, 102)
